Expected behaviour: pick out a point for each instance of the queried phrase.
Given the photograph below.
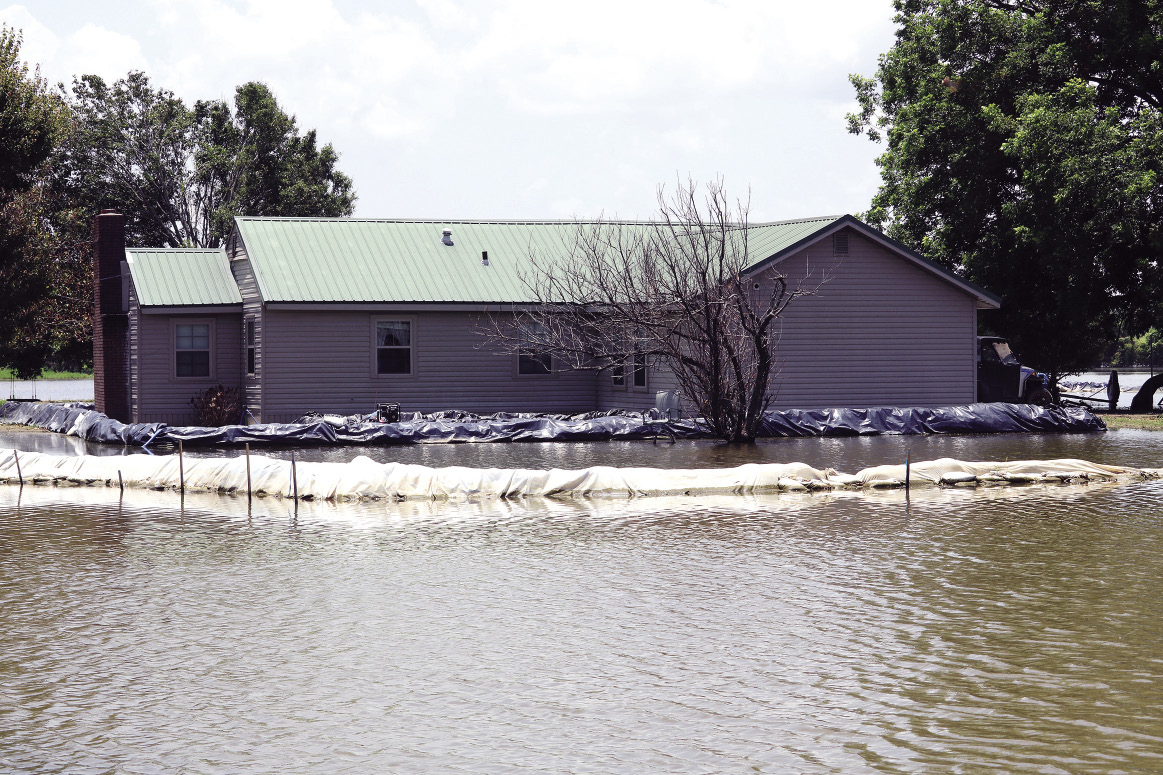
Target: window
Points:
(640, 370)
(530, 361)
(534, 363)
(251, 360)
(393, 347)
(630, 371)
(192, 350)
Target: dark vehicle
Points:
(1001, 378)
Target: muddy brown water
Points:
(1002, 630)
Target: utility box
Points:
(386, 413)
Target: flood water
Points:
(48, 389)
(82, 389)
(998, 630)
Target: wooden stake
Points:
(19, 475)
(248, 473)
(120, 483)
(294, 479)
(908, 462)
(181, 469)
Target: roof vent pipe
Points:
(446, 237)
(484, 258)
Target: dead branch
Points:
(679, 291)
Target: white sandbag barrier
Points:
(364, 478)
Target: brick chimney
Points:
(110, 318)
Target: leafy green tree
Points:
(1025, 151)
(39, 311)
(180, 174)
(1143, 350)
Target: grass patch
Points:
(7, 374)
(1137, 422)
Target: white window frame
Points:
(211, 350)
(375, 346)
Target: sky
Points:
(514, 109)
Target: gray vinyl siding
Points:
(974, 356)
(611, 396)
(880, 332)
(161, 397)
(252, 307)
(134, 355)
(324, 361)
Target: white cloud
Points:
(91, 48)
(684, 139)
(448, 15)
(386, 121)
(514, 108)
(40, 43)
(110, 54)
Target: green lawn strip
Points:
(1138, 422)
(7, 374)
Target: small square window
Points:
(192, 350)
(393, 347)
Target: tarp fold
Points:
(455, 426)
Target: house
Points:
(337, 315)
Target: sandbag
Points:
(363, 478)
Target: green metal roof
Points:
(172, 277)
(361, 260)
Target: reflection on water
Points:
(1010, 630)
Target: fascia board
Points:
(399, 306)
(190, 309)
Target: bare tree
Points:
(676, 291)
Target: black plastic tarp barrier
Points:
(425, 430)
(971, 418)
(455, 426)
(80, 420)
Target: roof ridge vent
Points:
(446, 236)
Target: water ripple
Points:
(953, 631)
